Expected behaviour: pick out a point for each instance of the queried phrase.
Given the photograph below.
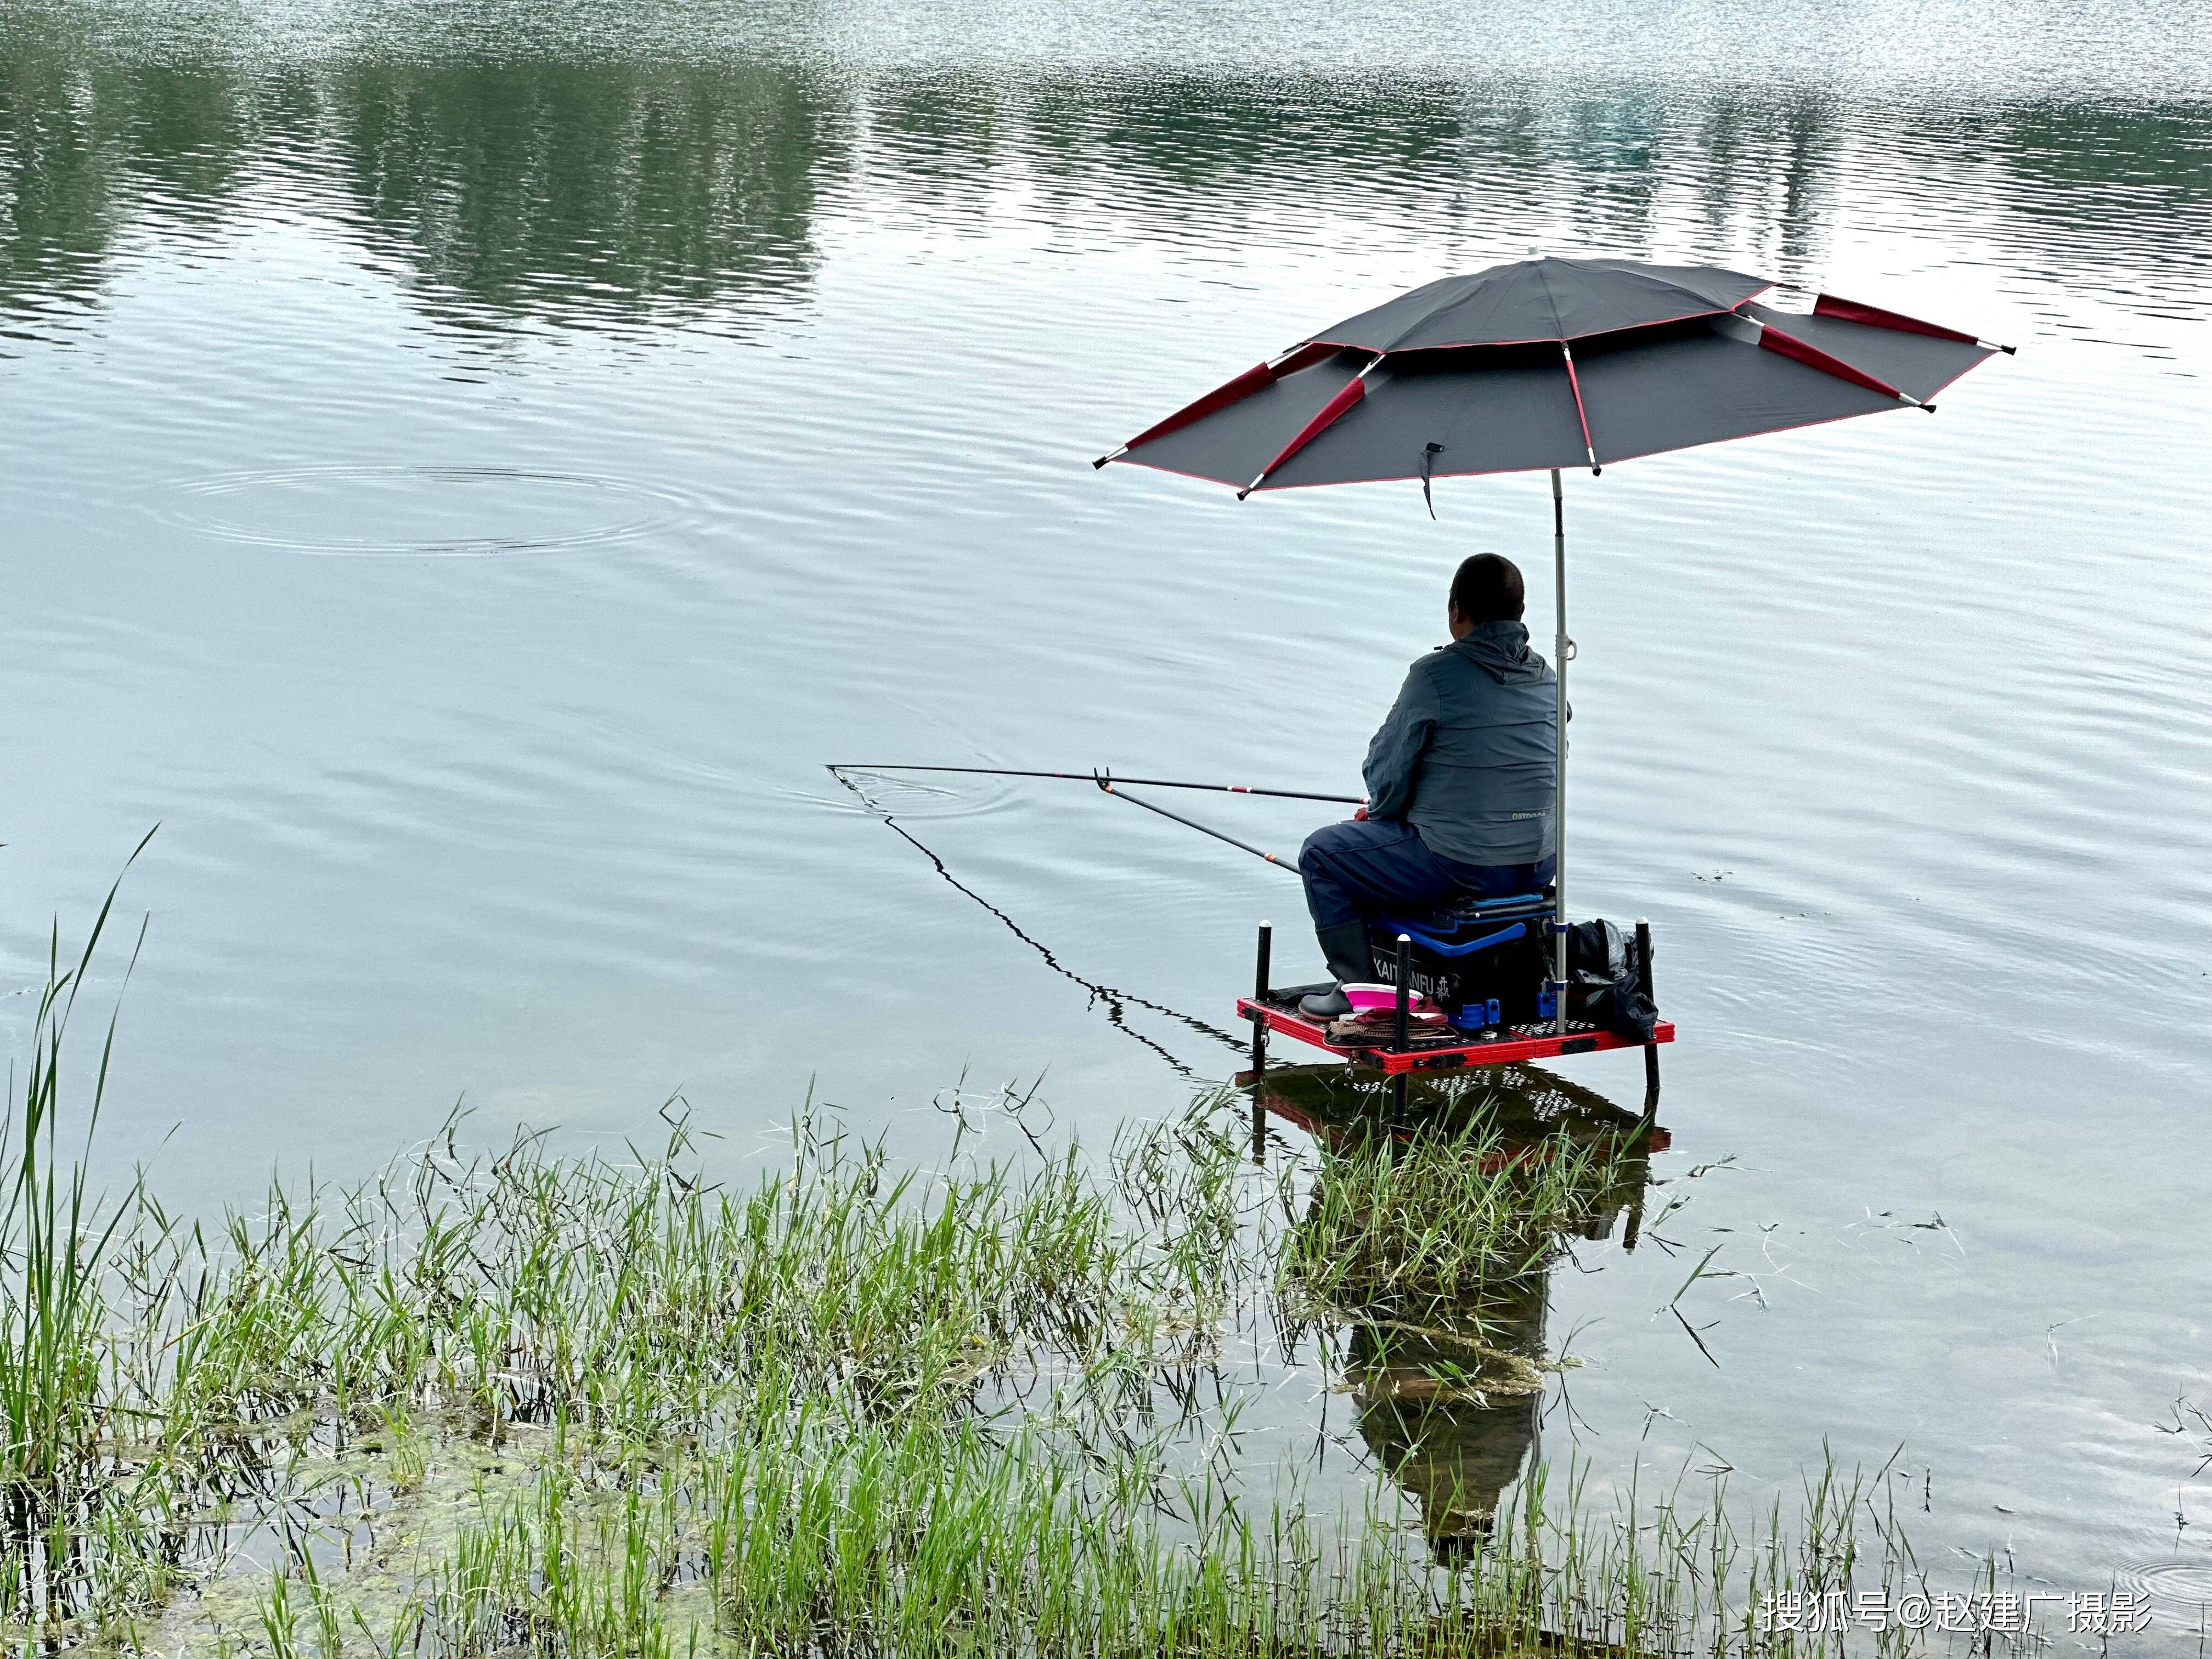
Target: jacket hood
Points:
(1501, 648)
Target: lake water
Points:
(468, 466)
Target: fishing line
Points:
(1113, 998)
(1113, 785)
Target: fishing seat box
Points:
(1470, 954)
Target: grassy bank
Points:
(531, 1403)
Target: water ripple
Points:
(2174, 1585)
(416, 511)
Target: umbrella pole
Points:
(1560, 650)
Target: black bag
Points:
(1604, 975)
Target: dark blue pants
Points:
(1353, 869)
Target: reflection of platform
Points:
(1512, 1044)
(1537, 1112)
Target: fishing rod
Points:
(1108, 785)
(1104, 779)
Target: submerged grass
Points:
(1430, 1228)
(535, 1404)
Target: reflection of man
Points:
(1460, 782)
(1452, 1425)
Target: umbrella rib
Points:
(1789, 345)
(1852, 311)
(1574, 382)
(1753, 330)
(1575, 385)
(1350, 393)
(1302, 355)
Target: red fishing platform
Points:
(1503, 1046)
(1466, 987)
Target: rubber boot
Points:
(1344, 947)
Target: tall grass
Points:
(66, 1493)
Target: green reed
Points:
(65, 1492)
(1425, 1228)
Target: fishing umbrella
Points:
(1551, 364)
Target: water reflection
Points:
(584, 188)
(1445, 1367)
(591, 187)
(600, 191)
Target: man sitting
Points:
(1462, 783)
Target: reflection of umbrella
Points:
(1550, 363)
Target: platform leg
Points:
(1651, 1050)
(1261, 968)
(1259, 1088)
(1401, 1015)
(1401, 1021)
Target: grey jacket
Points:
(1469, 753)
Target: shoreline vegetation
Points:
(530, 1403)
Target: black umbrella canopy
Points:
(1551, 363)
(1543, 300)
